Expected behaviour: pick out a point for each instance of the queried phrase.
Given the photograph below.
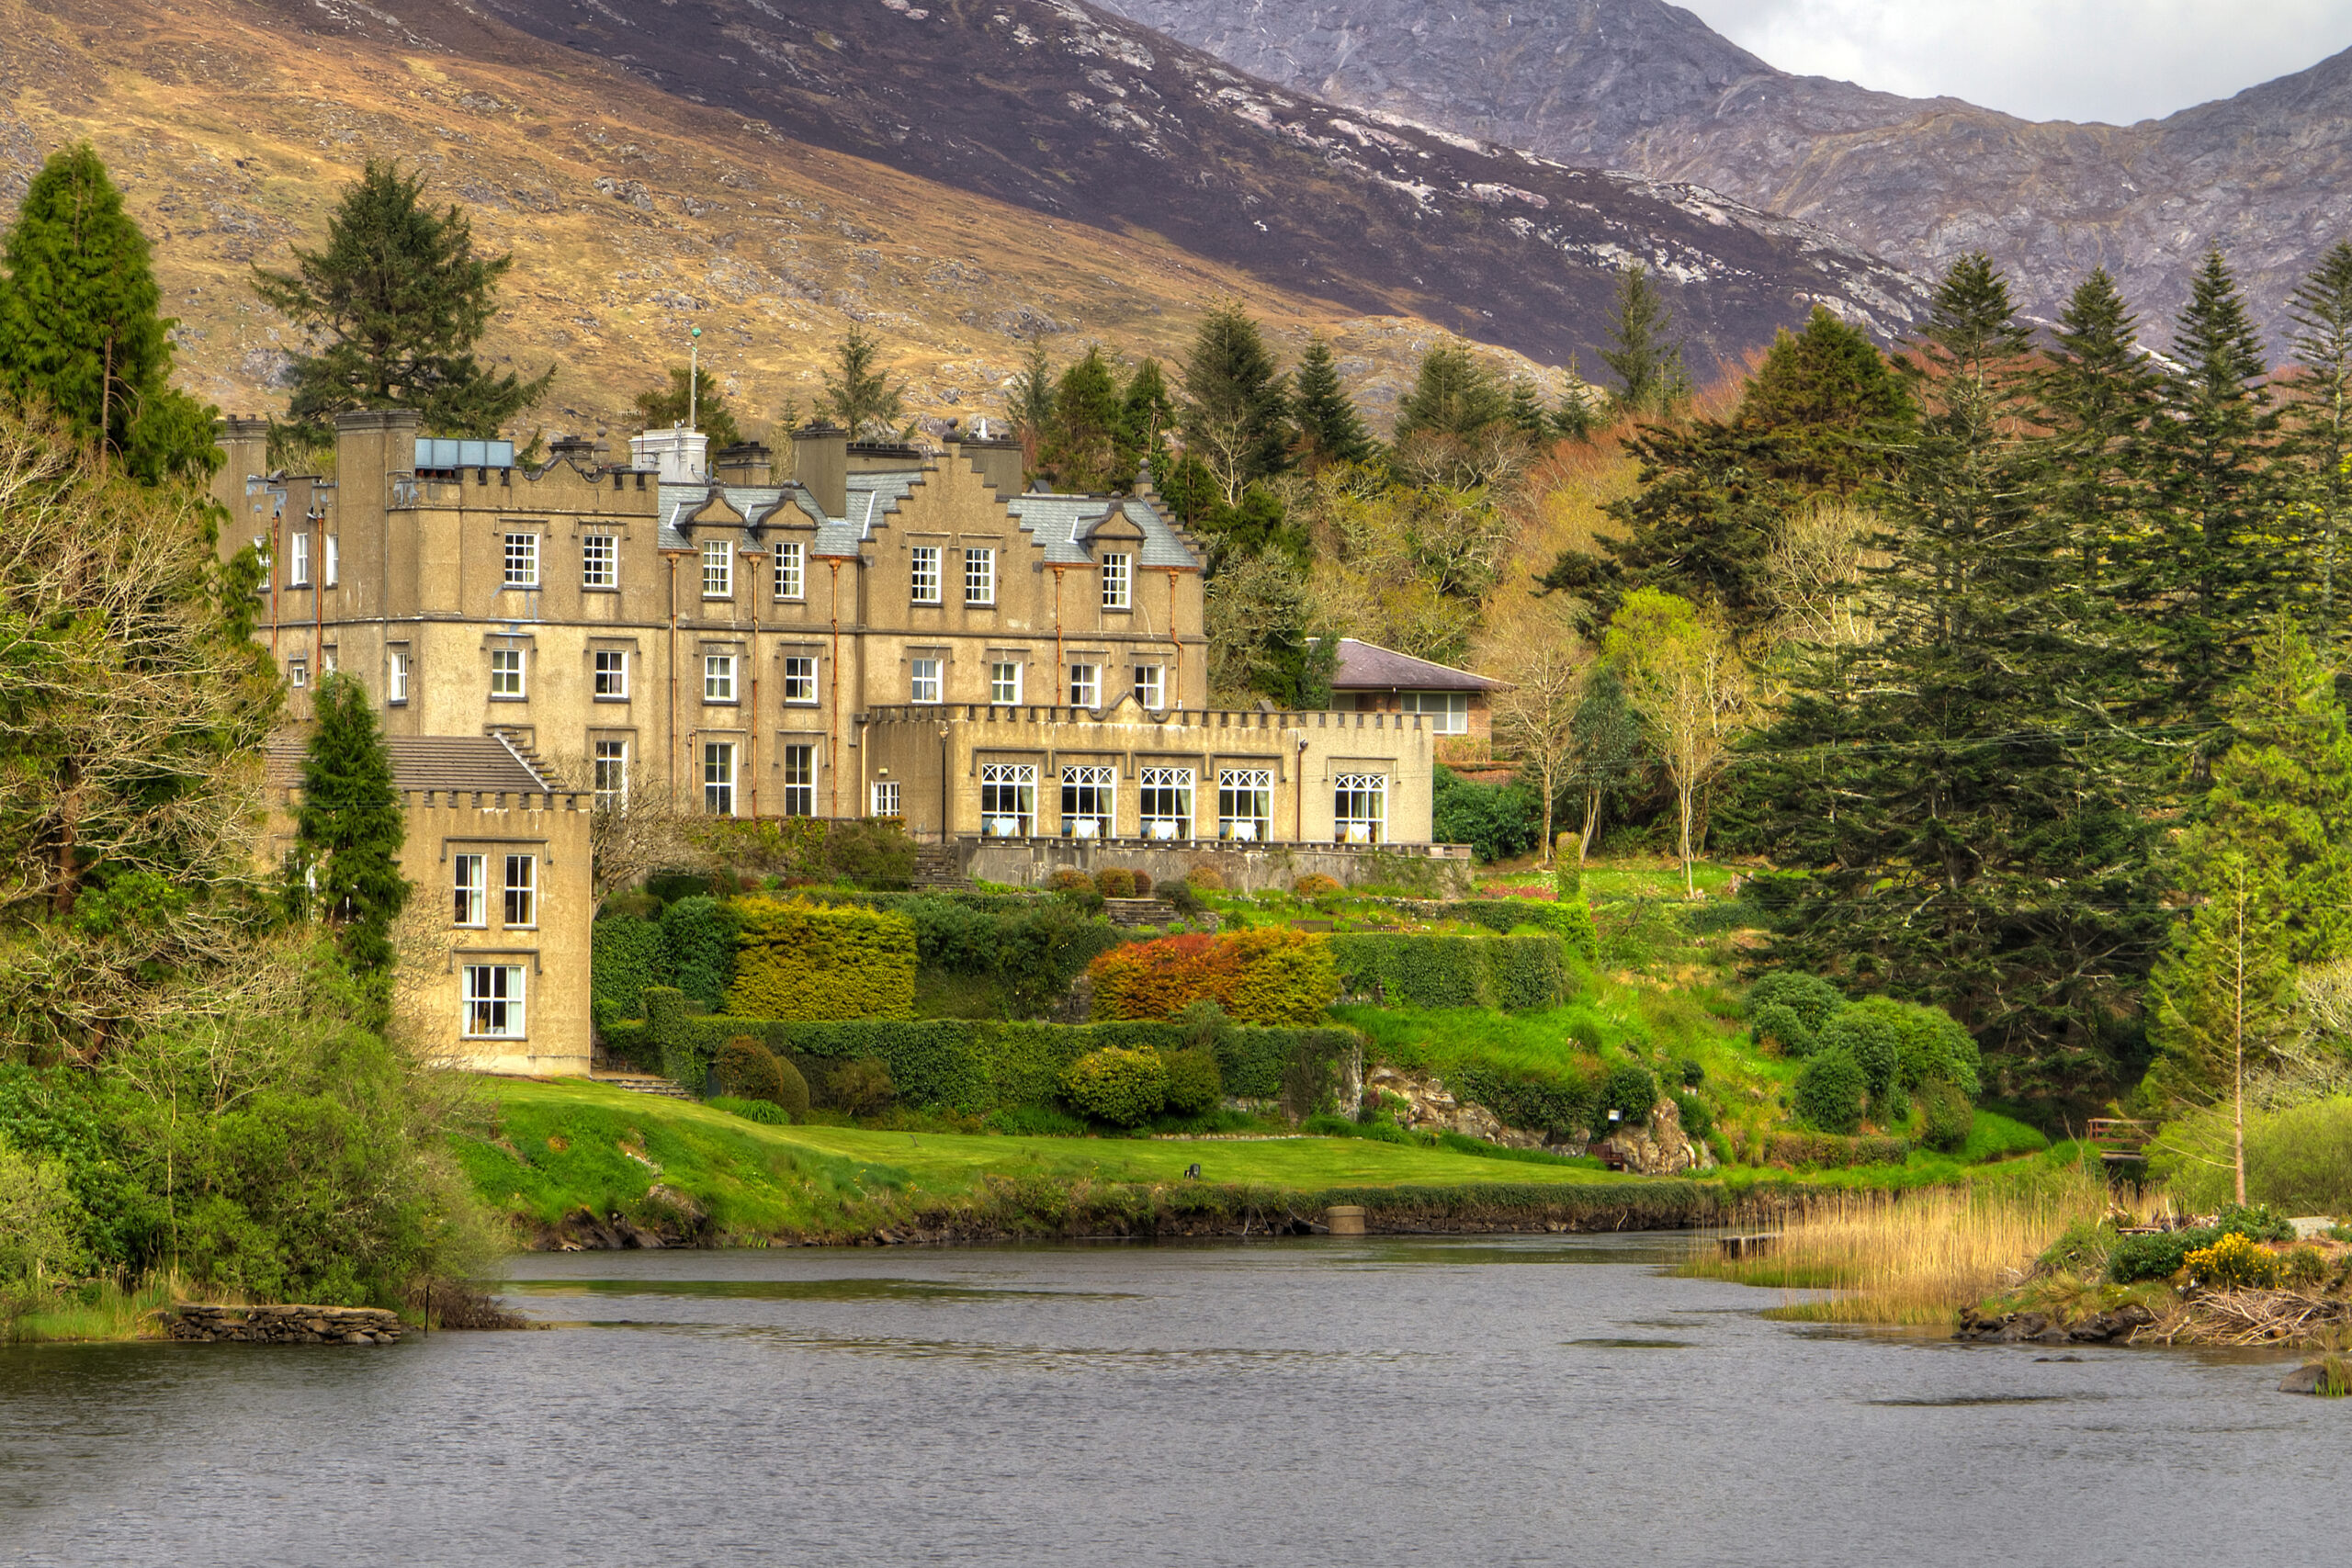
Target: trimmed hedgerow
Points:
(1828, 1151)
(1195, 1083)
(626, 954)
(698, 933)
(1264, 975)
(1557, 1107)
(1514, 974)
(800, 960)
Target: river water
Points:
(1554, 1400)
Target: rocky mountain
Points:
(1646, 87)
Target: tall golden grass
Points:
(1913, 1256)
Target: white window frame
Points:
(791, 571)
(396, 681)
(923, 681)
(801, 678)
(1360, 808)
(1451, 710)
(298, 674)
(519, 907)
(492, 1007)
(1004, 683)
(298, 559)
(470, 886)
(1166, 796)
(1244, 804)
(522, 561)
(1118, 581)
(922, 574)
(799, 765)
(1089, 800)
(609, 674)
(1009, 799)
(333, 563)
(718, 568)
(609, 773)
(980, 575)
(886, 798)
(600, 561)
(1151, 686)
(1086, 685)
(718, 677)
(718, 778)
(507, 663)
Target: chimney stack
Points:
(820, 461)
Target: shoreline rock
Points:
(284, 1325)
(2042, 1328)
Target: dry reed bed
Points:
(1913, 1258)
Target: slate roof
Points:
(422, 762)
(1059, 522)
(1368, 667)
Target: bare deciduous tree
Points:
(1684, 677)
(640, 827)
(1535, 718)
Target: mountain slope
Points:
(1643, 85)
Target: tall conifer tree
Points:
(1236, 404)
(349, 829)
(1328, 426)
(1081, 440)
(1452, 394)
(2319, 426)
(1651, 380)
(81, 326)
(1147, 417)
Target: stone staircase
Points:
(938, 871)
(644, 1083)
(1128, 913)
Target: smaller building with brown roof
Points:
(1457, 704)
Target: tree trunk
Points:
(1591, 824)
(1689, 883)
(68, 885)
(1548, 856)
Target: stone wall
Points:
(284, 1325)
(1271, 868)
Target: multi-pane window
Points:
(522, 890)
(1245, 800)
(470, 881)
(1008, 799)
(1085, 685)
(1088, 792)
(980, 577)
(611, 778)
(493, 1001)
(505, 671)
(800, 680)
(396, 679)
(522, 561)
(297, 672)
(600, 561)
(1004, 683)
(1167, 803)
(922, 680)
(612, 674)
(298, 560)
(1449, 711)
(885, 797)
(790, 566)
(922, 574)
(800, 781)
(718, 778)
(718, 677)
(1359, 808)
(334, 561)
(717, 569)
(1151, 686)
(1115, 582)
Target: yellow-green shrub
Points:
(1264, 975)
(1119, 1086)
(2234, 1262)
(800, 960)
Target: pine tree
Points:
(1648, 363)
(349, 829)
(2319, 424)
(1528, 415)
(1573, 417)
(1454, 395)
(1032, 402)
(1237, 405)
(703, 402)
(1147, 415)
(1330, 428)
(80, 327)
(1081, 440)
(394, 305)
(859, 395)
(1831, 398)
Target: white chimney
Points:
(679, 453)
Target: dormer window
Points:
(789, 579)
(717, 569)
(1115, 582)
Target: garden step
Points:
(1132, 912)
(644, 1083)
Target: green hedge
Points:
(1556, 1107)
(978, 1065)
(625, 955)
(1515, 973)
(798, 960)
(1827, 1151)
(699, 933)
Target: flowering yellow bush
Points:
(2232, 1262)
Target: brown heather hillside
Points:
(636, 212)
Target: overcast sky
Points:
(2109, 60)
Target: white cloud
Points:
(2107, 60)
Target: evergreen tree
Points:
(1573, 417)
(1032, 402)
(1454, 395)
(2220, 565)
(1237, 405)
(1829, 396)
(1330, 428)
(2318, 423)
(349, 829)
(1978, 842)
(1081, 440)
(1146, 414)
(80, 327)
(395, 303)
(1648, 363)
(703, 402)
(1528, 415)
(859, 395)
